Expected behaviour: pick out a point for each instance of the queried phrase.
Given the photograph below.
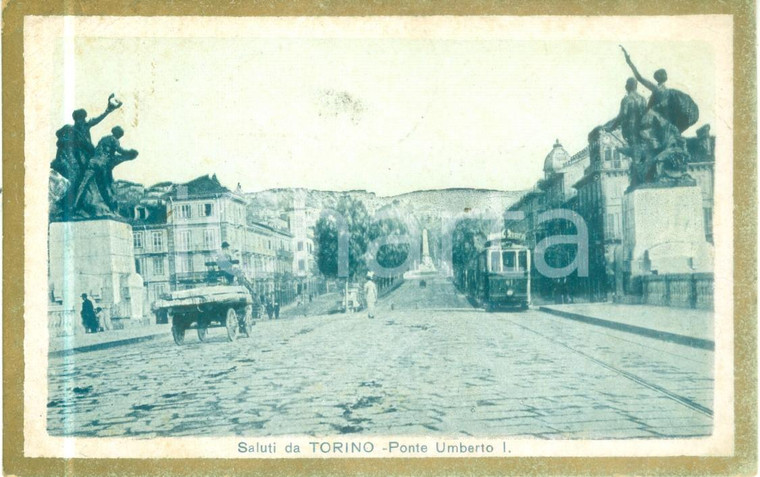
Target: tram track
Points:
(684, 401)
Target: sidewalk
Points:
(684, 326)
(66, 345)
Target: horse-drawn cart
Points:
(228, 306)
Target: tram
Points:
(498, 277)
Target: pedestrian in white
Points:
(370, 295)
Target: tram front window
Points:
(495, 264)
(508, 259)
(523, 258)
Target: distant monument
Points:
(663, 230)
(426, 268)
(427, 262)
(90, 247)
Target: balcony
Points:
(203, 277)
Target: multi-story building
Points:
(554, 192)
(702, 168)
(151, 241)
(302, 221)
(600, 203)
(266, 257)
(152, 258)
(600, 193)
(592, 183)
(201, 214)
(178, 232)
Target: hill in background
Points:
(439, 202)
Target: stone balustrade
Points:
(693, 290)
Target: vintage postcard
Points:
(330, 238)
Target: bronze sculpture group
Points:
(81, 182)
(652, 131)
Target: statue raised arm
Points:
(113, 104)
(648, 84)
(674, 105)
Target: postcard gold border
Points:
(744, 462)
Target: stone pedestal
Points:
(94, 257)
(663, 232)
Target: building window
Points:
(300, 246)
(158, 265)
(206, 210)
(184, 263)
(209, 239)
(184, 240)
(708, 223)
(607, 155)
(155, 290)
(141, 213)
(137, 240)
(609, 227)
(137, 266)
(184, 211)
(158, 241)
(301, 265)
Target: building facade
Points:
(555, 192)
(302, 220)
(600, 203)
(178, 232)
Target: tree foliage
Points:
(468, 239)
(390, 255)
(350, 218)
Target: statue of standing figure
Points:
(652, 131)
(82, 177)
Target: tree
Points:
(468, 239)
(349, 217)
(326, 244)
(390, 255)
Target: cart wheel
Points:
(202, 331)
(178, 328)
(232, 324)
(178, 333)
(248, 321)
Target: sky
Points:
(387, 113)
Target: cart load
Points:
(228, 306)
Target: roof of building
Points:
(160, 185)
(148, 212)
(556, 158)
(202, 187)
(207, 184)
(580, 155)
(270, 228)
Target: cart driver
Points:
(226, 263)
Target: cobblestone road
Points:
(426, 371)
